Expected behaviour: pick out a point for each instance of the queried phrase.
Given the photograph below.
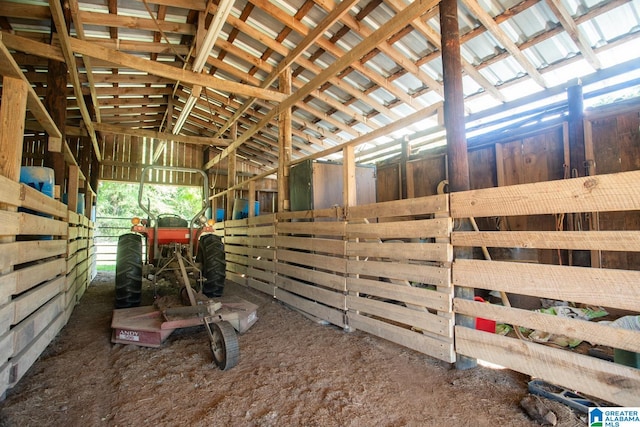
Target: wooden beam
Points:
(457, 155)
(491, 25)
(72, 188)
(284, 146)
(26, 45)
(599, 193)
(412, 11)
(618, 240)
(167, 71)
(60, 23)
(12, 115)
(589, 375)
(397, 57)
(336, 51)
(75, 13)
(349, 194)
(165, 136)
(332, 17)
(121, 21)
(139, 46)
(434, 38)
(307, 64)
(9, 68)
(573, 31)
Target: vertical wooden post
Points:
(12, 114)
(252, 199)
(456, 139)
(284, 145)
(349, 195)
(231, 176)
(404, 158)
(231, 181)
(576, 127)
(578, 158)
(72, 188)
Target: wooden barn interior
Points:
(407, 157)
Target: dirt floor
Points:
(292, 372)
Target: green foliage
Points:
(116, 199)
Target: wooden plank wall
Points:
(613, 139)
(48, 267)
(614, 289)
(125, 156)
(34, 149)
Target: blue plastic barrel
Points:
(43, 180)
(241, 209)
(38, 177)
(79, 204)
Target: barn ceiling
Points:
(361, 70)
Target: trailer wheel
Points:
(129, 271)
(224, 345)
(214, 265)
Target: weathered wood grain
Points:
(599, 193)
(611, 382)
(596, 286)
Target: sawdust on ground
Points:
(292, 372)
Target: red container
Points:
(486, 325)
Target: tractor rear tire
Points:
(129, 271)
(213, 265)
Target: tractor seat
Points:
(172, 222)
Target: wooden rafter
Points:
(572, 30)
(58, 17)
(490, 24)
(217, 142)
(333, 16)
(9, 67)
(260, 38)
(87, 60)
(409, 13)
(167, 71)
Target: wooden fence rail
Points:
(388, 269)
(617, 290)
(47, 267)
(346, 270)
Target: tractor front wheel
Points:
(129, 271)
(213, 265)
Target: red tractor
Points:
(171, 245)
(185, 252)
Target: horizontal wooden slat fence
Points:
(614, 289)
(261, 253)
(399, 273)
(47, 264)
(346, 270)
(81, 259)
(236, 248)
(311, 265)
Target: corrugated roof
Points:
(394, 80)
